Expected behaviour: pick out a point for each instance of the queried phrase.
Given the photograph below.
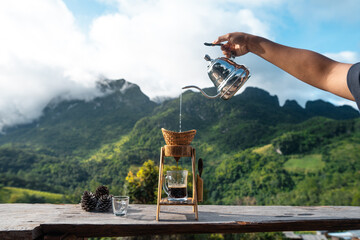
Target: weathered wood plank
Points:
(189, 201)
(37, 219)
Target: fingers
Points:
(228, 50)
(236, 44)
(230, 54)
(222, 38)
(225, 47)
(227, 54)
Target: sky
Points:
(51, 49)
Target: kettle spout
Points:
(203, 93)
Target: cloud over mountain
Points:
(155, 44)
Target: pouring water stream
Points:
(180, 112)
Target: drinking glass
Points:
(120, 205)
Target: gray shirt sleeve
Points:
(353, 82)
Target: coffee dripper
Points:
(227, 76)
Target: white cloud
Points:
(157, 44)
(43, 55)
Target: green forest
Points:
(255, 151)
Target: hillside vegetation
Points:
(255, 151)
(21, 195)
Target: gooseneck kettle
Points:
(227, 76)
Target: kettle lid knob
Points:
(207, 58)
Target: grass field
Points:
(264, 149)
(22, 195)
(307, 163)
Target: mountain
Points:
(253, 148)
(76, 127)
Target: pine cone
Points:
(88, 201)
(101, 191)
(104, 203)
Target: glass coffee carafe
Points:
(175, 185)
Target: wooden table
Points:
(69, 221)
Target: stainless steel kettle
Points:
(227, 76)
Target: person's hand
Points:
(236, 44)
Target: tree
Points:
(142, 187)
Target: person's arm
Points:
(308, 66)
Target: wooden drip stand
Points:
(177, 151)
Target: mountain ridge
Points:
(124, 102)
(111, 87)
(78, 120)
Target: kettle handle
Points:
(203, 93)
